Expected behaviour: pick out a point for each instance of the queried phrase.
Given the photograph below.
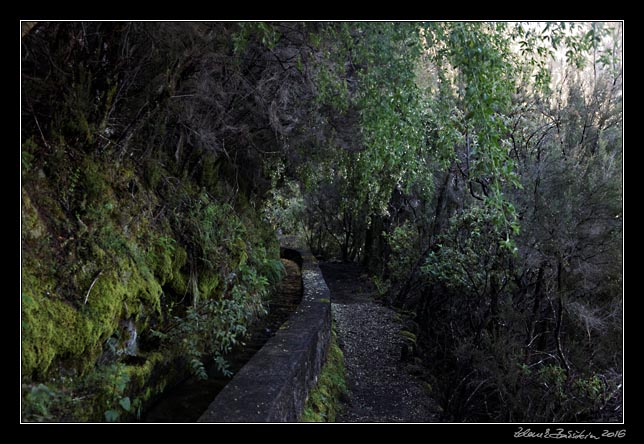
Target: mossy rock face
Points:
(32, 227)
(101, 243)
(52, 328)
(325, 399)
(55, 329)
(177, 281)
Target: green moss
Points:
(179, 282)
(140, 374)
(153, 173)
(32, 226)
(161, 258)
(55, 329)
(50, 328)
(126, 288)
(96, 189)
(142, 389)
(208, 283)
(324, 400)
(84, 213)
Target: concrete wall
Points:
(274, 384)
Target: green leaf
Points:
(112, 416)
(125, 403)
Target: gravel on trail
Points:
(381, 389)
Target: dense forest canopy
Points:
(474, 168)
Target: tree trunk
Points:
(560, 305)
(368, 243)
(494, 304)
(535, 311)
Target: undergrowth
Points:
(324, 402)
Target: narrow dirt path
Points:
(381, 390)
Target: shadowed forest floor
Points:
(381, 389)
